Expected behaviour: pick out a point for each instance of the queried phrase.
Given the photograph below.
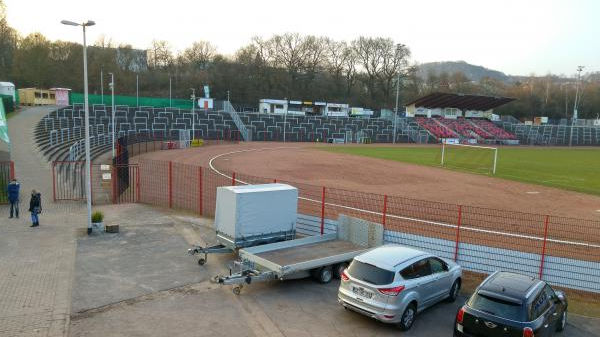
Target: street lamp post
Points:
(193, 98)
(398, 50)
(137, 91)
(112, 93)
(102, 84)
(88, 184)
(170, 93)
(575, 103)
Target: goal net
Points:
(479, 159)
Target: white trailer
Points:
(251, 215)
(322, 256)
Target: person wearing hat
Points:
(12, 190)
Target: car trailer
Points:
(322, 257)
(228, 245)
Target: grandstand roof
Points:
(460, 101)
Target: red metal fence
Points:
(7, 173)
(564, 251)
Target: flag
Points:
(3, 125)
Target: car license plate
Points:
(362, 292)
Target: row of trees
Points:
(361, 72)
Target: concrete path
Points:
(36, 264)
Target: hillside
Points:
(473, 72)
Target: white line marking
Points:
(441, 224)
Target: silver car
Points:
(393, 283)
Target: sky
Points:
(520, 37)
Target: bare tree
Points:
(200, 54)
(394, 58)
(160, 54)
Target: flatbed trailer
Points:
(322, 257)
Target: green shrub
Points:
(97, 216)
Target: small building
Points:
(35, 96)
(302, 108)
(8, 89)
(61, 95)
(272, 106)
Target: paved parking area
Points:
(142, 283)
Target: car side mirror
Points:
(560, 296)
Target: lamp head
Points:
(69, 23)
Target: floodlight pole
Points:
(88, 184)
(102, 84)
(575, 103)
(193, 98)
(137, 91)
(398, 48)
(170, 104)
(112, 88)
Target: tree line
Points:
(361, 72)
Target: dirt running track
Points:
(303, 163)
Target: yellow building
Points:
(35, 96)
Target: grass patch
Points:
(575, 169)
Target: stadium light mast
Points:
(398, 50)
(575, 103)
(88, 178)
(112, 93)
(193, 98)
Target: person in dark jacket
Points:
(35, 207)
(12, 190)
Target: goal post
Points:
(470, 157)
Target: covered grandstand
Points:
(461, 118)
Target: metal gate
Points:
(125, 183)
(7, 172)
(68, 180)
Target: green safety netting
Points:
(8, 103)
(75, 97)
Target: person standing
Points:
(13, 190)
(35, 207)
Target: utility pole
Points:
(575, 103)
(193, 98)
(102, 85)
(112, 89)
(398, 50)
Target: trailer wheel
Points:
(339, 269)
(324, 274)
(201, 261)
(236, 290)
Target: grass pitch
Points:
(576, 169)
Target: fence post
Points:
(323, 211)
(12, 170)
(137, 182)
(54, 181)
(170, 184)
(233, 179)
(459, 223)
(385, 197)
(114, 184)
(544, 246)
(275, 181)
(200, 189)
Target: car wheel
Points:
(562, 323)
(408, 317)
(324, 275)
(454, 291)
(339, 269)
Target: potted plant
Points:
(97, 218)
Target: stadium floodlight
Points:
(88, 178)
(193, 98)
(469, 157)
(112, 89)
(398, 49)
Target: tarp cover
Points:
(253, 210)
